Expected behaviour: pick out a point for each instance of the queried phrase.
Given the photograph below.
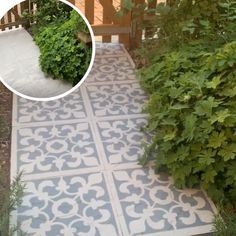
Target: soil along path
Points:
(79, 156)
(20, 69)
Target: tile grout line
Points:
(102, 156)
(78, 120)
(117, 210)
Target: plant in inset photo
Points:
(49, 43)
(56, 31)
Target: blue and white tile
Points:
(67, 108)
(152, 205)
(123, 140)
(110, 49)
(116, 99)
(67, 206)
(118, 69)
(55, 148)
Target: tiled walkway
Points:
(79, 157)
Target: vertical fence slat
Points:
(125, 38)
(2, 23)
(137, 19)
(107, 20)
(89, 11)
(24, 6)
(149, 31)
(126, 22)
(9, 18)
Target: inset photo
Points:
(47, 49)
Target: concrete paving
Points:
(20, 69)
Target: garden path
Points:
(20, 69)
(79, 156)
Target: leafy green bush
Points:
(63, 56)
(193, 111)
(49, 11)
(192, 85)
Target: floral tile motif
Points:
(151, 203)
(81, 168)
(116, 99)
(67, 206)
(55, 148)
(69, 107)
(109, 49)
(122, 139)
(118, 68)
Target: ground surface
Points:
(5, 135)
(79, 156)
(20, 69)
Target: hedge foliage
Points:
(63, 55)
(191, 79)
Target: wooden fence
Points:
(127, 28)
(13, 17)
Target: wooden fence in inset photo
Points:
(13, 18)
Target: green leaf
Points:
(205, 107)
(170, 136)
(214, 83)
(216, 139)
(228, 152)
(220, 116)
(127, 4)
(207, 157)
(189, 127)
(209, 175)
(179, 106)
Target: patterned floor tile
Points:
(69, 107)
(108, 49)
(116, 99)
(122, 139)
(118, 68)
(54, 148)
(151, 203)
(67, 206)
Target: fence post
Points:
(107, 20)
(89, 11)
(126, 22)
(136, 23)
(149, 30)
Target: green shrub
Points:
(193, 113)
(48, 12)
(191, 79)
(63, 56)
